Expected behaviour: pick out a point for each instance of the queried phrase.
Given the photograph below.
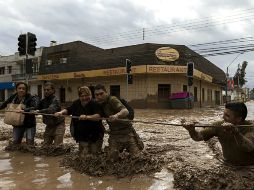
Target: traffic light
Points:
(31, 44)
(29, 66)
(190, 81)
(190, 68)
(128, 66)
(130, 79)
(22, 44)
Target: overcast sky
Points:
(114, 23)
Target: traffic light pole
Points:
(126, 79)
(189, 73)
(26, 58)
(27, 75)
(189, 100)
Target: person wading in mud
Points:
(55, 127)
(122, 135)
(88, 128)
(29, 125)
(237, 142)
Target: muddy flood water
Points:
(171, 159)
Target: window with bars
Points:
(9, 69)
(2, 70)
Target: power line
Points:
(199, 24)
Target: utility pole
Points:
(238, 81)
(143, 33)
(227, 75)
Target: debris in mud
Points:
(126, 165)
(5, 135)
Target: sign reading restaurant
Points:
(140, 69)
(167, 54)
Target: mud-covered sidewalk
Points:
(195, 165)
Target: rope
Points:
(133, 121)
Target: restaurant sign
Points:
(167, 54)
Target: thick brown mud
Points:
(194, 165)
(100, 165)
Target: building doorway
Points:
(39, 91)
(217, 97)
(2, 95)
(62, 95)
(195, 94)
(115, 90)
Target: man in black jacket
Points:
(55, 126)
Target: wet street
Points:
(175, 160)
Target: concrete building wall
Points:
(143, 93)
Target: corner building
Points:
(157, 70)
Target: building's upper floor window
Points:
(58, 57)
(63, 60)
(2, 70)
(49, 62)
(9, 69)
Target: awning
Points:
(7, 85)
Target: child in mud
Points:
(237, 141)
(122, 135)
(88, 128)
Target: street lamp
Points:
(227, 75)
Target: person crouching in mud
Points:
(237, 142)
(122, 135)
(88, 128)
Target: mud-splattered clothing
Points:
(89, 134)
(237, 147)
(86, 130)
(112, 106)
(55, 126)
(30, 103)
(50, 105)
(29, 126)
(122, 134)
